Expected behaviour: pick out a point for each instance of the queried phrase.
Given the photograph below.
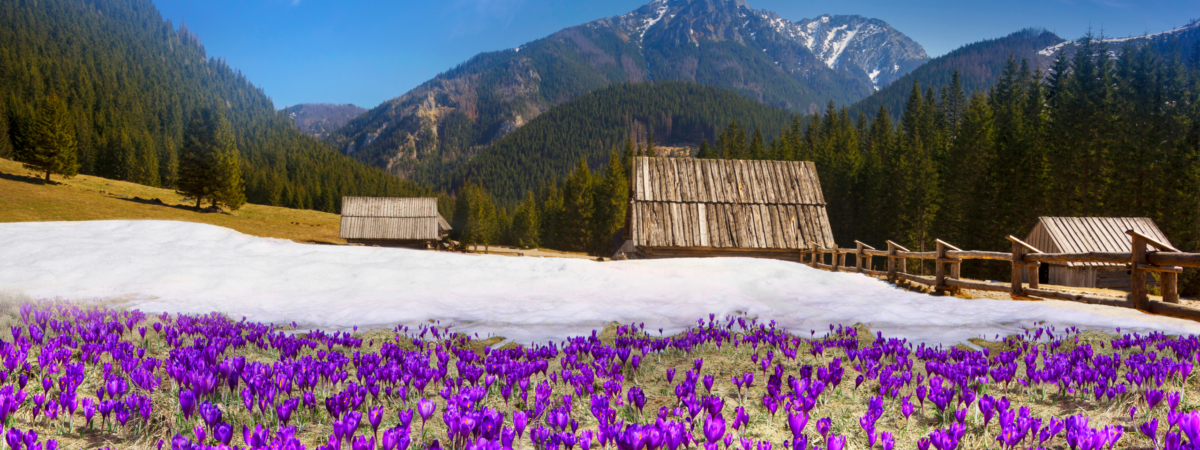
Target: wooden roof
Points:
(1090, 234)
(391, 218)
(734, 204)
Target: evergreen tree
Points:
(550, 213)
(6, 147)
(705, 152)
(524, 230)
(756, 150)
(52, 148)
(609, 199)
(576, 209)
(208, 163)
(650, 144)
(476, 217)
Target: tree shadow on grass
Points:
(159, 202)
(27, 179)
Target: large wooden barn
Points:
(392, 222)
(683, 207)
(1088, 234)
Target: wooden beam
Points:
(1170, 287)
(1173, 310)
(978, 285)
(974, 254)
(1090, 257)
(1079, 298)
(1138, 294)
(1153, 242)
(1174, 259)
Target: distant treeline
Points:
(1108, 132)
(130, 81)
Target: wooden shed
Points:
(1089, 234)
(392, 222)
(683, 207)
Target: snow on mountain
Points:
(1054, 49)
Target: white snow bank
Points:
(192, 268)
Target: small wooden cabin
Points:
(1088, 234)
(684, 207)
(392, 222)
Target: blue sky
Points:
(368, 51)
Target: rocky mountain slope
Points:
(443, 123)
(979, 65)
(319, 119)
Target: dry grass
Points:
(23, 198)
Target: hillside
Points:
(979, 65)
(87, 197)
(131, 80)
(724, 43)
(319, 119)
(680, 115)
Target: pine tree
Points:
(208, 163)
(756, 150)
(475, 217)
(650, 144)
(550, 213)
(524, 229)
(609, 199)
(6, 147)
(52, 148)
(576, 209)
(705, 152)
(628, 154)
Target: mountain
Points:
(1185, 37)
(979, 65)
(131, 81)
(678, 114)
(318, 119)
(438, 126)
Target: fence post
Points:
(891, 261)
(1170, 287)
(1138, 267)
(835, 259)
(939, 268)
(1137, 291)
(866, 259)
(941, 261)
(858, 256)
(1019, 250)
(1033, 269)
(813, 261)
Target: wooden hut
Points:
(392, 222)
(683, 207)
(1088, 234)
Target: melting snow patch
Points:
(161, 266)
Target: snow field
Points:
(179, 267)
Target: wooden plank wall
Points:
(722, 225)
(389, 206)
(704, 203)
(377, 228)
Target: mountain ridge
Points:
(439, 125)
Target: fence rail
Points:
(1164, 260)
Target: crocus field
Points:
(88, 376)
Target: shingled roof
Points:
(391, 218)
(733, 204)
(1090, 234)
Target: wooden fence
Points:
(1164, 260)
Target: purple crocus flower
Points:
(187, 403)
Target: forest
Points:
(129, 80)
(1105, 132)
